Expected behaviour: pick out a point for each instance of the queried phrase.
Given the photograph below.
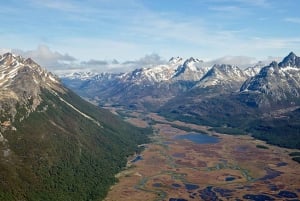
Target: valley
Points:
(231, 168)
(205, 142)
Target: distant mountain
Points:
(144, 87)
(265, 105)
(80, 75)
(276, 84)
(192, 70)
(253, 70)
(226, 76)
(54, 145)
(261, 99)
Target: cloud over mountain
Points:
(46, 57)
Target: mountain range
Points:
(261, 100)
(53, 144)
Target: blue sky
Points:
(126, 30)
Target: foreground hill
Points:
(54, 145)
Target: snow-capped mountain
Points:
(21, 82)
(253, 70)
(221, 75)
(276, 83)
(11, 66)
(176, 69)
(79, 75)
(175, 60)
(159, 83)
(192, 69)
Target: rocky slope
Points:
(276, 84)
(21, 81)
(53, 144)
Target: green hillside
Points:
(58, 154)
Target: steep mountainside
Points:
(218, 80)
(225, 75)
(54, 145)
(276, 84)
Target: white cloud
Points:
(45, 57)
(64, 63)
(97, 31)
(93, 62)
(240, 61)
(126, 66)
(243, 61)
(147, 60)
(4, 50)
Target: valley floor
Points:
(235, 168)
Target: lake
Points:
(198, 138)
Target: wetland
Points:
(183, 165)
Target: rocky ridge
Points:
(277, 82)
(21, 82)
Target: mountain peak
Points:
(190, 64)
(7, 54)
(222, 75)
(192, 60)
(30, 61)
(175, 60)
(16, 71)
(292, 54)
(290, 60)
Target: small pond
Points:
(191, 187)
(137, 158)
(198, 138)
(230, 178)
(176, 185)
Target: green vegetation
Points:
(58, 154)
(297, 159)
(280, 132)
(262, 146)
(228, 130)
(239, 119)
(295, 153)
(295, 156)
(188, 129)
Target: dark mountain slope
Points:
(63, 148)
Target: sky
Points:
(116, 35)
